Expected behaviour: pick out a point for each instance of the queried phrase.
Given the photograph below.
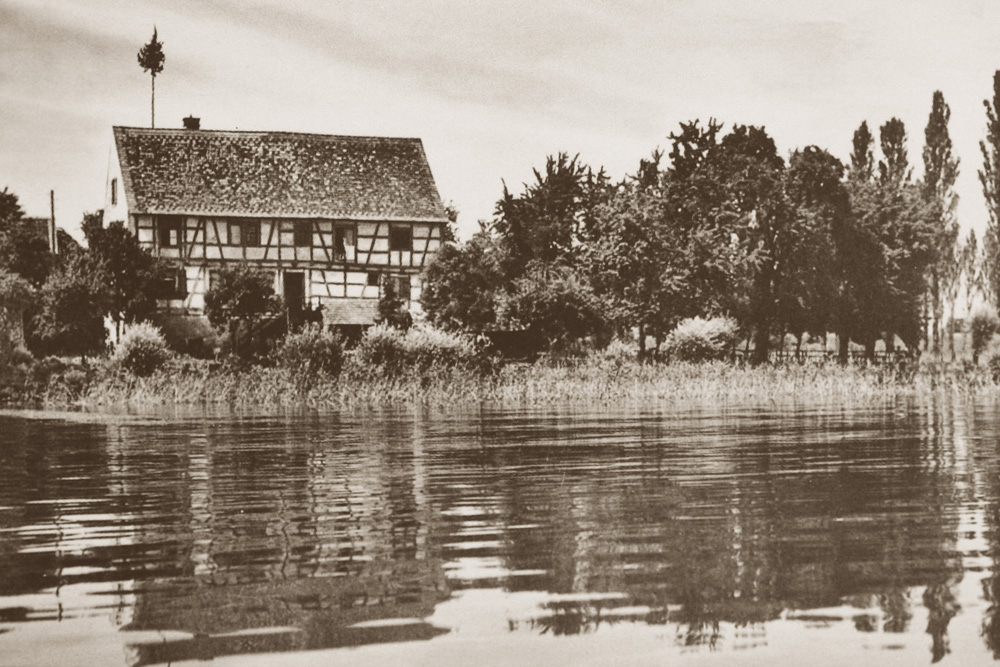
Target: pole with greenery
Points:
(151, 60)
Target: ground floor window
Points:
(173, 284)
(402, 285)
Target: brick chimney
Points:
(192, 123)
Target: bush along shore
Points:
(427, 366)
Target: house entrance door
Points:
(295, 295)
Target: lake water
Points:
(680, 535)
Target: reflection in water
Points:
(713, 527)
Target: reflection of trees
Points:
(982, 423)
(714, 518)
(941, 607)
(991, 587)
(50, 475)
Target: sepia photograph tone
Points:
(446, 333)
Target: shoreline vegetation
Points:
(564, 381)
(427, 367)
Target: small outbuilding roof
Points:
(350, 311)
(276, 174)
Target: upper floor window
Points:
(400, 237)
(114, 192)
(343, 236)
(244, 232)
(373, 278)
(303, 233)
(168, 228)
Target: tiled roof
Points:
(276, 174)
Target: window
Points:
(251, 233)
(400, 237)
(402, 285)
(342, 237)
(169, 230)
(214, 277)
(114, 192)
(373, 277)
(303, 234)
(244, 233)
(180, 282)
(173, 285)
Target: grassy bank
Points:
(590, 380)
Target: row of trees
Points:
(729, 227)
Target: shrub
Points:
(619, 351)
(983, 325)
(381, 348)
(428, 348)
(697, 339)
(141, 351)
(53, 380)
(392, 352)
(557, 303)
(311, 353)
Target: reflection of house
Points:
(333, 217)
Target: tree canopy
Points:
(723, 227)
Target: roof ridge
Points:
(185, 132)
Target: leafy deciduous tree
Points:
(16, 295)
(237, 301)
(813, 293)
(131, 276)
(461, 285)
(10, 209)
(554, 302)
(72, 307)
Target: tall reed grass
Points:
(594, 379)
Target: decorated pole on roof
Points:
(151, 60)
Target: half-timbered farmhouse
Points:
(334, 218)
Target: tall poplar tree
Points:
(940, 172)
(972, 274)
(862, 156)
(894, 168)
(989, 177)
(151, 60)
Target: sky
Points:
(491, 88)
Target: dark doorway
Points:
(295, 296)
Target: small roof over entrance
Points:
(350, 311)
